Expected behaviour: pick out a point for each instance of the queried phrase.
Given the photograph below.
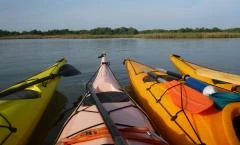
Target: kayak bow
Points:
(176, 122)
(113, 119)
(216, 78)
(20, 112)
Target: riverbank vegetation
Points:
(123, 32)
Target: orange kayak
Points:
(176, 117)
(87, 126)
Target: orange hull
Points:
(178, 127)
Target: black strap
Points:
(118, 139)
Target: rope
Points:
(174, 117)
(181, 88)
(91, 134)
(75, 112)
(9, 127)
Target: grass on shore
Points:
(189, 35)
(165, 35)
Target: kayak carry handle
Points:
(102, 55)
(175, 55)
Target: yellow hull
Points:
(24, 114)
(189, 68)
(212, 127)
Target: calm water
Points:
(22, 58)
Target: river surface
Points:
(22, 58)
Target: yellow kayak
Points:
(20, 112)
(182, 125)
(220, 79)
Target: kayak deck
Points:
(129, 120)
(87, 118)
(19, 116)
(196, 71)
(177, 125)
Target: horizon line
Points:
(194, 28)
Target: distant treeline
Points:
(117, 31)
(96, 31)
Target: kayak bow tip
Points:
(175, 55)
(126, 59)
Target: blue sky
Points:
(27, 15)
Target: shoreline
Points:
(163, 35)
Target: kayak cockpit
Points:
(236, 126)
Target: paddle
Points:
(155, 76)
(195, 102)
(230, 78)
(191, 82)
(66, 70)
(177, 75)
(159, 78)
(118, 139)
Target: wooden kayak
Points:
(87, 125)
(178, 122)
(220, 79)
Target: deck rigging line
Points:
(172, 116)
